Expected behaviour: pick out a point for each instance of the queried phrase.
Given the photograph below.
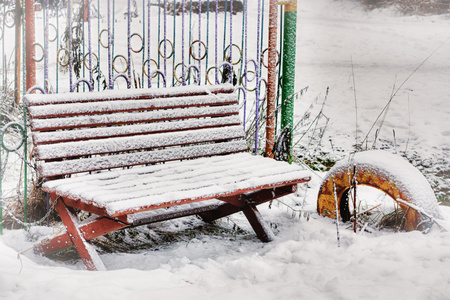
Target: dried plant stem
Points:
(337, 215)
(386, 107)
(356, 104)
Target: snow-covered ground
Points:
(304, 261)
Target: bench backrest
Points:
(83, 132)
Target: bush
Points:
(413, 7)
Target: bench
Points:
(134, 157)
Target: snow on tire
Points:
(387, 172)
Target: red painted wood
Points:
(89, 123)
(262, 231)
(254, 198)
(72, 230)
(90, 231)
(79, 111)
(43, 140)
(44, 170)
(141, 95)
(125, 147)
(218, 196)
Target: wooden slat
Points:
(132, 118)
(52, 169)
(109, 95)
(87, 253)
(93, 108)
(51, 137)
(131, 143)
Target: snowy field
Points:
(194, 261)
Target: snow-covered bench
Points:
(187, 145)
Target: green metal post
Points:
(25, 167)
(289, 47)
(1, 192)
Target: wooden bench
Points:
(188, 148)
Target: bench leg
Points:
(247, 203)
(262, 230)
(87, 253)
(97, 227)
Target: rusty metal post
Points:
(17, 62)
(271, 78)
(29, 44)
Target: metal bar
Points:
(57, 63)
(289, 47)
(183, 64)
(30, 39)
(24, 81)
(98, 45)
(216, 45)
(83, 8)
(1, 119)
(271, 77)
(231, 40)
(110, 71)
(149, 78)
(159, 35)
(258, 41)
(69, 28)
(165, 42)
(245, 59)
(46, 48)
(90, 44)
(18, 29)
(207, 39)
(199, 39)
(129, 43)
(143, 43)
(174, 42)
(25, 168)
(280, 57)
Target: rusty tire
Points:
(387, 172)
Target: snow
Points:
(66, 98)
(303, 261)
(114, 145)
(84, 134)
(128, 105)
(58, 123)
(122, 160)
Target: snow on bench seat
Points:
(121, 192)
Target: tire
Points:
(387, 172)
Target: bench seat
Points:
(121, 192)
